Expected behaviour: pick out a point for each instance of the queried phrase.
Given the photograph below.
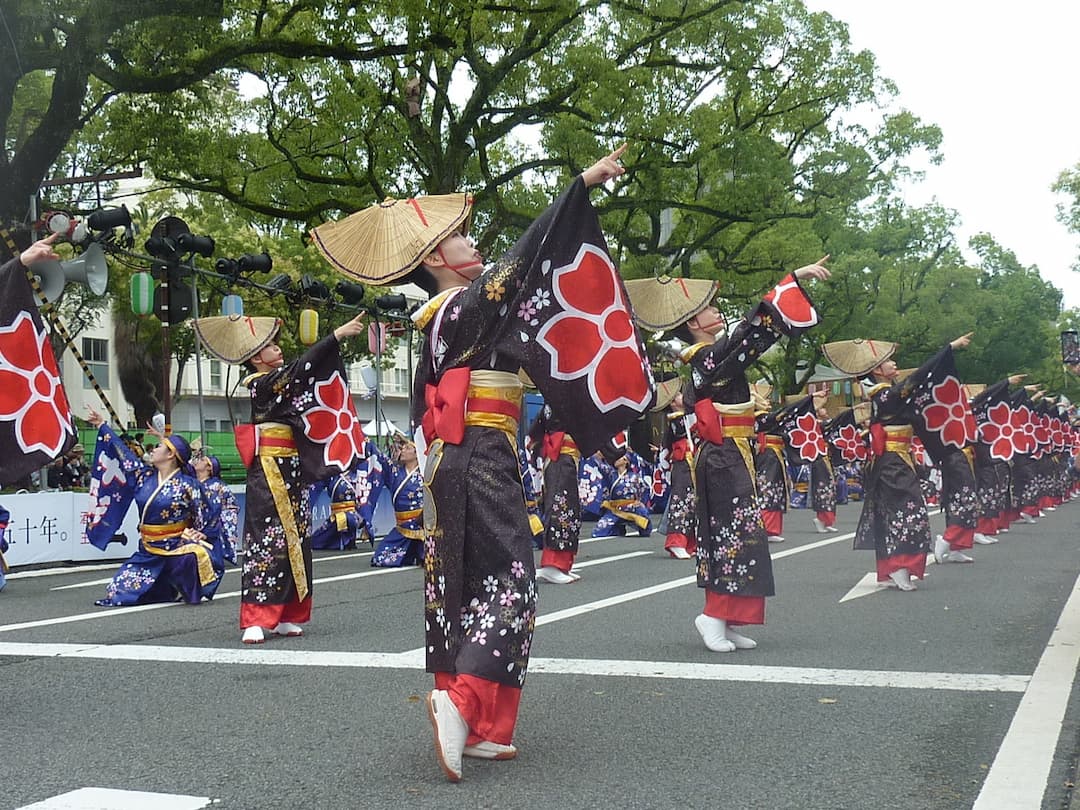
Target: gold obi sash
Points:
(737, 421)
(774, 442)
(158, 532)
(341, 506)
(494, 400)
(898, 440)
(570, 448)
(405, 517)
(718, 421)
(275, 440)
(618, 507)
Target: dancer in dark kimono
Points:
(733, 563)
(822, 476)
(5, 516)
(770, 464)
(1025, 469)
(994, 448)
(561, 507)
(894, 521)
(303, 430)
(681, 514)
(537, 309)
(847, 451)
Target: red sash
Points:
(245, 442)
(445, 414)
(708, 422)
(553, 444)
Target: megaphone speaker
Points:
(50, 277)
(88, 268)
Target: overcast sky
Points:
(1001, 81)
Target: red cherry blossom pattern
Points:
(949, 415)
(593, 336)
(333, 423)
(31, 394)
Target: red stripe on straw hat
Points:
(419, 213)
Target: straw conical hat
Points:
(665, 302)
(666, 391)
(858, 356)
(385, 241)
(235, 338)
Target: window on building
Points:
(95, 352)
(215, 374)
(394, 381)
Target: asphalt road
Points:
(940, 698)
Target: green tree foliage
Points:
(751, 149)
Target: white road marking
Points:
(127, 611)
(97, 798)
(1021, 769)
(95, 582)
(614, 558)
(864, 587)
(267, 655)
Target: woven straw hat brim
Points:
(664, 303)
(858, 357)
(235, 339)
(385, 241)
(666, 391)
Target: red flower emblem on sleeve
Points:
(793, 305)
(849, 442)
(593, 336)
(333, 423)
(31, 394)
(1023, 430)
(806, 438)
(1001, 431)
(949, 415)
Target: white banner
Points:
(49, 527)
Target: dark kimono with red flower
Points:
(561, 506)
(774, 486)
(36, 425)
(680, 515)
(1025, 469)
(847, 451)
(555, 307)
(307, 432)
(996, 424)
(932, 403)
(806, 445)
(733, 562)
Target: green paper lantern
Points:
(142, 294)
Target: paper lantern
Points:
(309, 326)
(142, 294)
(232, 306)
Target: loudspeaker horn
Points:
(88, 268)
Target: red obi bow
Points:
(553, 445)
(877, 439)
(708, 421)
(445, 415)
(679, 449)
(246, 441)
